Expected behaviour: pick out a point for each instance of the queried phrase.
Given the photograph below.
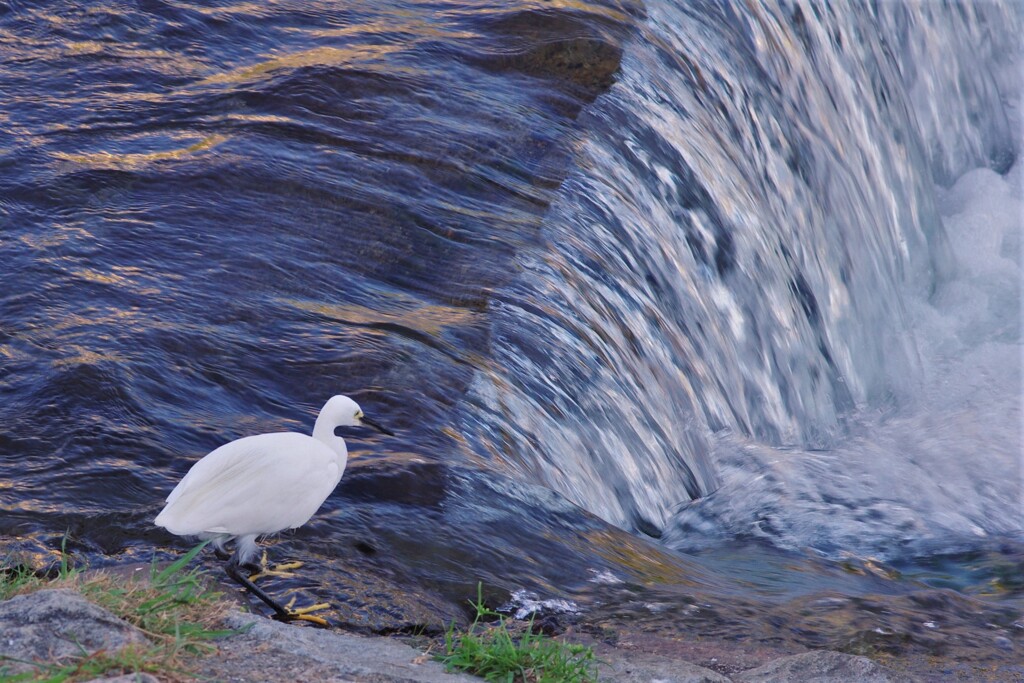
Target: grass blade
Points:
(161, 578)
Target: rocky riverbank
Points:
(420, 537)
(58, 625)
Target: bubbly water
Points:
(757, 311)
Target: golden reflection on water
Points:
(96, 276)
(250, 8)
(85, 47)
(44, 241)
(649, 564)
(364, 56)
(258, 118)
(79, 355)
(431, 319)
(412, 25)
(130, 277)
(118, 318)
(138, 160)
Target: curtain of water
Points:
(752, 207)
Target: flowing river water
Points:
(729, 292)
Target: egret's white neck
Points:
(323, 431)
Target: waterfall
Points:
(736, 258)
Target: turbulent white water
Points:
(754, 296)
(948, 466)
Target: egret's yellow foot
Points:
(282, 570)
(311, 618)
(303, 613)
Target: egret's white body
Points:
(262, 484)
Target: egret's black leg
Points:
(232, 569)
(281, 613)
(251, 567)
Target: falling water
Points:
(736, 295)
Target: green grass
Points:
(173, 608)
(493, 652)
(17, 580)
(20, 579)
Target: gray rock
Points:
(822, 666)
(272, 651)
(646, 668)
(52, 625)
(128, 678)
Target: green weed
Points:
(173, 608)
(17, 579)
(493, 653)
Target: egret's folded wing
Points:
(260, 484)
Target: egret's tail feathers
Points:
(161, 519)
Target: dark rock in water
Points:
(29, 554)
(586, 62)
(51, 625)
(579, 52)
(548, 625)
(823, 666)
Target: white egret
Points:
(260, 485)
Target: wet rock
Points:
(273, 652)
(547, 625)
(1003, 643)
(361, 600)
(581, 52)
(406, 558)
(644, 668)
(29, 554)
(823, 666)
(52, 625)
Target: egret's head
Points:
(342, 411)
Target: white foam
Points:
(947, 466)
(523, 604)
(605, 577)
